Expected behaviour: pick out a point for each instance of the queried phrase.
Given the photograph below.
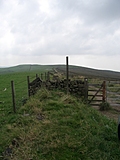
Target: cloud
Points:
(59, 27)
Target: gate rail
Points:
(96, 93)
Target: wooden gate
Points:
(96, 93)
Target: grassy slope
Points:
(52, 125)
(26, 68)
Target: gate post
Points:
(104, 91)
(86, 89)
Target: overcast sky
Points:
(46, 31)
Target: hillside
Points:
(91, 73)
(53, 125)
(83, 71)
(27, 68)
(24, 68)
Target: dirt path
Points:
(113, 114)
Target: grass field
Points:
(52, 125)
(20, 83)
(21, 92)
(27, 68)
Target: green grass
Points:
(20, 85)
(53, 125)
(7, 117)
(27, 68)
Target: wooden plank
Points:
(93, 90)
(91, 95)
(94, 104)
(96, 100)
(93, 85)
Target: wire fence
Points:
(20, 91)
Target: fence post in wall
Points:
(13, 96)
(36, 75)
(104, 91)
(86, 89)
(45, 76)
(28, 82)
(67, 74)
(41, 76)
(48, 76)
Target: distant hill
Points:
(25, 68)
(83, 71)
(90, 73)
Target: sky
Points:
(46, 31)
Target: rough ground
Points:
(114, 113)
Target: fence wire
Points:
(20, 91)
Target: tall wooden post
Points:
(13, 96)
(67, 74)
(104, 91)
(28, 82)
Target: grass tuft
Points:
(104, 106)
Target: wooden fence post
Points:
(13, 96)
(36, 75)
(86, 89)
(104, 91)
(28, 81)
(41, 76)
(45, 76)
(67, 74)
(48, 76)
